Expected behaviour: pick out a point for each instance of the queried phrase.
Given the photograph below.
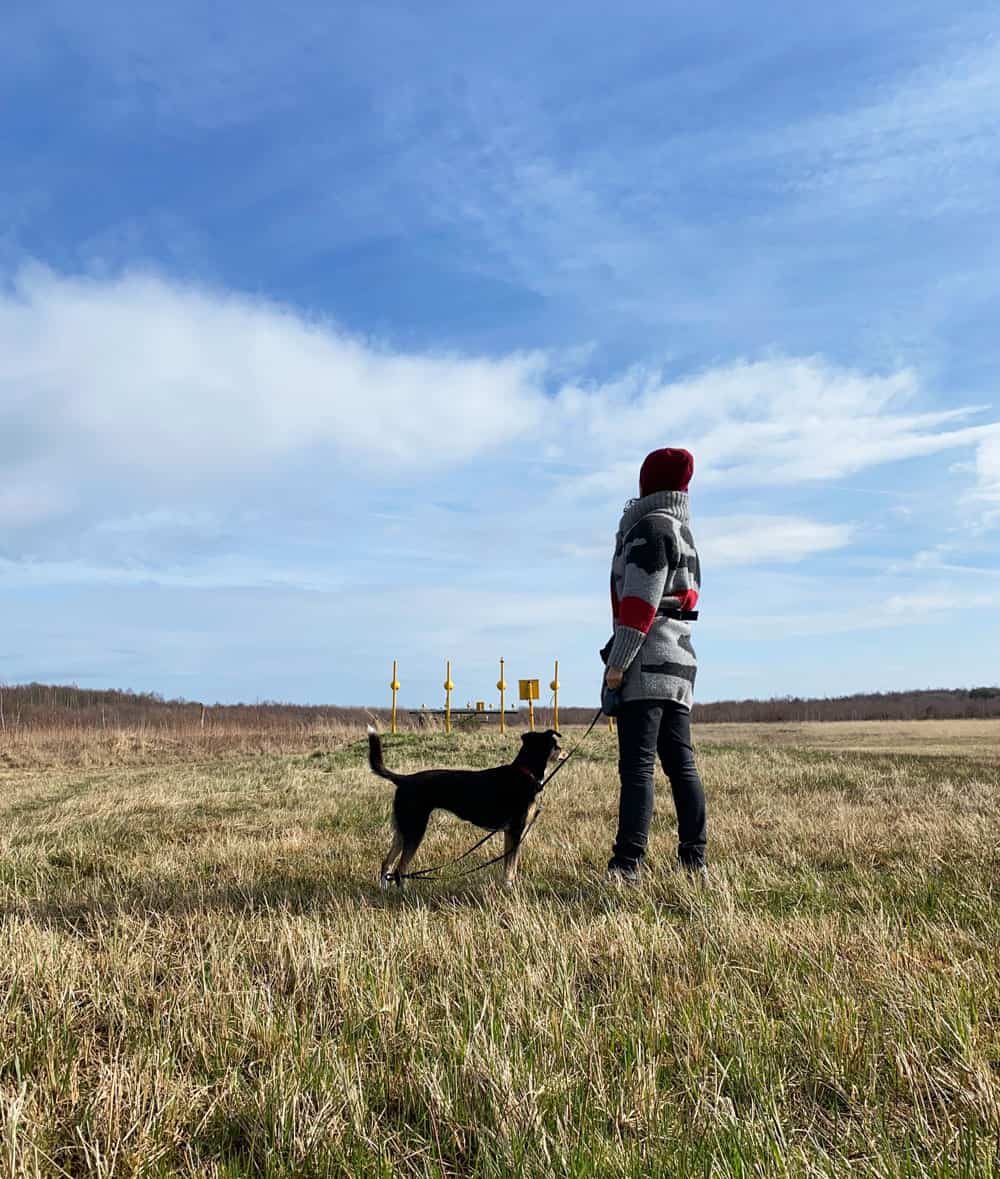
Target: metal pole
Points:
(395, 688)
(555, 697)
(531, 714)
(448, 685)
(502, 686)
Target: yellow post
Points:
(528, 690)
(448, 685)
(555, 697)
(395, 688)
(502, 686)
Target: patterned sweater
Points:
(655, 574)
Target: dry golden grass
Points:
(978, 738)
(66, 745)
(200, 976)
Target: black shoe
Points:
(696, 873)
(621, 873)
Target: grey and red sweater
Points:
(655, 574)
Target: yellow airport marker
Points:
(448, 686)
(395, 688)
(502, 687)
(555, 697)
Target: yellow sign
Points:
(528, 689)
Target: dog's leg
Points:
(385, 876)
(512, 849)
(409, 851)
(412, 827)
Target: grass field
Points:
(200, 976)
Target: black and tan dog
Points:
(497, 799)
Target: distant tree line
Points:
(36, 706)
(929, 704)
(51, 705)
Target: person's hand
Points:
(614, 676)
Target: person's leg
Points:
(638, 725)
(677, 758)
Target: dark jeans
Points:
(647, 728)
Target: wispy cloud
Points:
(175, 386)
(232, 571)
(756, 540)
(139, 373)
(936, 599)
(988, 469)
(771, 422)
(906, 143)
(177, 64)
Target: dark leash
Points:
(424, 873)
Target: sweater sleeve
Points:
(647, 565)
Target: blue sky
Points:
(337, 335)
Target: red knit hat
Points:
(666, 470)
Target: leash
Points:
(424, 873)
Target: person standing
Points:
(655, 583)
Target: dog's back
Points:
(438, 787)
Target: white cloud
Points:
(754, 540)
(770, 422)
(157, 392)
(988, 469)
(150, 376)
(981, 476)
(936, 601)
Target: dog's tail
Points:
(375, 756)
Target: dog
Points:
(495, 799)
